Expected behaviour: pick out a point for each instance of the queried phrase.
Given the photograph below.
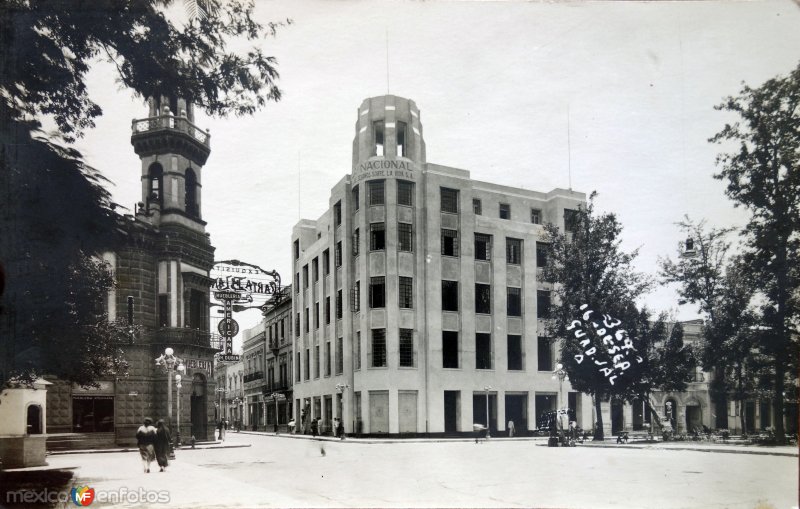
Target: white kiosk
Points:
(23, 424)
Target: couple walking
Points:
(154, 443)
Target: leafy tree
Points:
(55, 215)
(762, 174)
(587, 266)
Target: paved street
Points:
(292, 472)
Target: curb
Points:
(105, 451)
(696, 449)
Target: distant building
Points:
(278, 381)
(415, 295)
(162, 287)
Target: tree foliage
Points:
(762, 174)
(55, 215)
(586, 265)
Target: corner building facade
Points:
(416, 296)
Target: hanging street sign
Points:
(228, 328)
(228, 358)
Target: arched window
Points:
(191, 194)
(155, 183)
(34, 420)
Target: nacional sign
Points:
(382, 168)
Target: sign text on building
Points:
(383, 168)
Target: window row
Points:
(326, 267)
(484, 352)
(303, 371)
(376, 195)
(483, 299)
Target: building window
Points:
(406, 348)
(307, 318)
(513, 251)
(297, 282)
(327, 358)
(337, 254)
(316, 361)
(545, 355)
(515, 352)
(513, 301)
(305, 276)
(357, 353)
(400, 137)
(190, 193)
(339, 356)
(378, 348)
(543, 303)
(405, 193)
(449, 295)
(297, 325)
(449, 200)
(297, 368)
(163, 310)
(449, 242)
(483, 246)
(355, 301)
(541, 254)
(377, 292)
(308, 364)
(477, 207)
(536, 216)
(283, 328)
(406, 292)
(405, 240)
(156, 183)
(377, 131)
(449, 349)
(505, 211)
(375, 188)
(356, 241)
(297, 249)
(377, 236)
(326, 262)
(338, 304)
(571, 220)
(327, 310)
(315, 269)
(483, 298)
(483, 351)
(337, 213)
(356, 203)
(316, 315)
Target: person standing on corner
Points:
(340, 430)
(314, 427)
(511, 430)
(145, 438)
(162, 444)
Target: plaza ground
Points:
(271, 471)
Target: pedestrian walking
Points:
(162, 444)
(145, 438)
(511, 430)
(314, 427)
(340, 430)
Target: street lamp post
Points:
(178, 387)
(488, 429)
(562, 375)
(341, 388)
(275, 396)
(169, 361)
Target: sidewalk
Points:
(700, 446)
(183, 447)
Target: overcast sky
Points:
(495, 83)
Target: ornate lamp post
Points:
(341, 388)
(169, 361)
(178, 387)
(488, 429)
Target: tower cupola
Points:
(388, 127)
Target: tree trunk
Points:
(778, 403)
(598, 426)
(743, 416)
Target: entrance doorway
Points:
(764, 409)
(479, 410)
(198, 407)
(407, 411)
(617, 419)
(451, 410)
(638, 411)
(517, 411)
(750, 416)
(379, 411)
(694, 417)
